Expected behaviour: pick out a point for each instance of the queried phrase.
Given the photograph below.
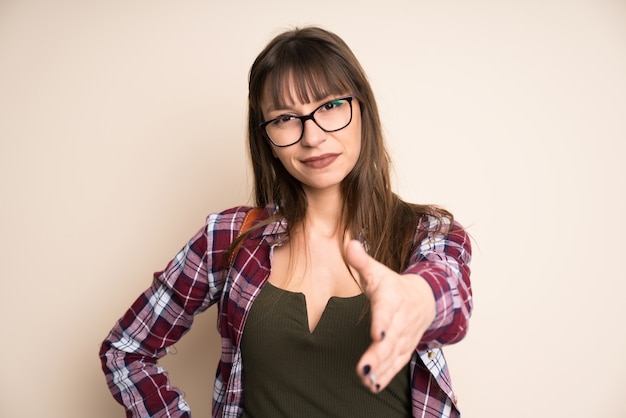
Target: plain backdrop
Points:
(122, 127)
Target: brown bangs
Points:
(306, 73)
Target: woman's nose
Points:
(312, 134)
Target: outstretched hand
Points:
(402, 308)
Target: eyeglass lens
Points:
(330, 116)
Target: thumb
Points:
(360, 260)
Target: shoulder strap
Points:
(248, 220)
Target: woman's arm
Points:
(443, 262)
(425, 306)
(155, 321)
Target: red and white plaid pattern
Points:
(195, 279)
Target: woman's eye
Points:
(332, 105)
(283, 119)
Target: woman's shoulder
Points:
(232, 218)
(435, 222)
(443, 232)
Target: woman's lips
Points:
(320, 161)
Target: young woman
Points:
(335, 300)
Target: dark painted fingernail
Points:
(366, 369)
(377, 387)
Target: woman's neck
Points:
(323, 213)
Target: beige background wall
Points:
(122, 127)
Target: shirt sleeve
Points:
(155, 321)
(443, 260)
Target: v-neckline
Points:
(303, 304)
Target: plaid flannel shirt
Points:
(195, 279)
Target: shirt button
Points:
(431, 354)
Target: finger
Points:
(362, 262)
(378, 366)
(357, 257)
(370, 272)
(367, 369)
(382, 317)
(387, 374)
(381, 363)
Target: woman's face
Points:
(320, 160)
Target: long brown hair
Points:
(317, 63)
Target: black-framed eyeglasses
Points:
(331, 116)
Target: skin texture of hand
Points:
(402, 309)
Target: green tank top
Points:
(289, 371)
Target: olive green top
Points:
(289, 371)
